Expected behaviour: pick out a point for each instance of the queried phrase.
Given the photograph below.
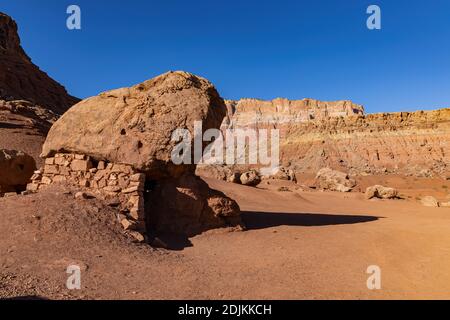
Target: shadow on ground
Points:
(260, 220)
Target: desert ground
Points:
(299, 245)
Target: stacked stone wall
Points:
(120, 184)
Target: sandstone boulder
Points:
(250, 178)
(381, 192)
(134, 125)
(333, 180)
(219, 172)
(16, 169)
(429, 201)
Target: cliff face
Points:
(339, 135)
(20, 79)
(30, 101)
(248, 112)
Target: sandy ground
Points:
(299, 245)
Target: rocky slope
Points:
(20, 79)
(339, 135)
(30, 101)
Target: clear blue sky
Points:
(249, 48)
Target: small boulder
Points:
(250, 178)
(381, 192)
(429, 201)
(81, 195)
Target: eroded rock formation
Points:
(30, 101)
(20, 79)
(314, 135)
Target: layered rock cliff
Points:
(20, 79)
(280, 111)
(315, 134)
(30, 101)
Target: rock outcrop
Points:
(30, 101)
(20, 79)
(131, 128)
(16, 168)
(278, 112)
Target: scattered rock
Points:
(81, 195)
(283, 173)
(284, 189)
(381, 192)
(250, 178)
(333, 180)
(429, 201)
(138, 237)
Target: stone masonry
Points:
(120, 184)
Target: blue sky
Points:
(264, 49)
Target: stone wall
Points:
(120, 184)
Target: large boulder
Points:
(333, 180)
(381, 192)
(16, 168)
(134, 125)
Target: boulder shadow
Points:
(171, 241)
(260, 220)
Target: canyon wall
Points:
(30, 101)
(315, 134)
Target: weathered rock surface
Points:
(283, 173)
(339, 135)
(187, 205)
(16, 169)
(134, 125)
(381, 192)
(30, 101)
(429, 201)
(333, 180)
(20, 79)
(250, 178)
(248, 112)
